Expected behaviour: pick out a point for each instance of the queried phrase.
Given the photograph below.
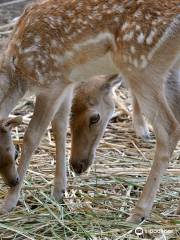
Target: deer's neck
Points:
(10, 92)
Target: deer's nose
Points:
(14, 182)
(79, 166)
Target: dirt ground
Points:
(98, 202)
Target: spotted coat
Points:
(52, 37)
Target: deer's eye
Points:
(94, 118)
(16, 152)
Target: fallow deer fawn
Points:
(55, 40)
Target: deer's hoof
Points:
(5, 210)
(59, 189)
(143, 132)
(146, 136)
(135, 218)
(58, 194)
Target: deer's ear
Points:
(9, 123)
(111, 81)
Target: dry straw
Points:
(97, 203)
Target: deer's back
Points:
(53, 37)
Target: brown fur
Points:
(8, 151)
(48, 50)
(91, 98)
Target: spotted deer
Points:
(56, 43)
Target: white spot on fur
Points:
(13, 63)
(33, 48)
(154, 23)
(29, 35)
(67, 29)
(57, 58)
(118, 39)
(61, 59)
(40, 76)
(149, 39)
(140, 38)
(69, 13)
(147, 16)
(37, 39)
(137, 13)
(144, 62)
(118, 8)
(128, 36)
(116, 19)
(135, 63)
(29, 61)
(54, 43)
(133, 50)
(18, 43)
(27, 22)
(125, 26)
(20, 50)
(109, 11)
(79, 30)
(138, 28)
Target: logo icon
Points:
(139, 231)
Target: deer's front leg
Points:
(45, 109)
(59, 127)
(167, 132)
(139, 123)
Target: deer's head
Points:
(92, 108)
